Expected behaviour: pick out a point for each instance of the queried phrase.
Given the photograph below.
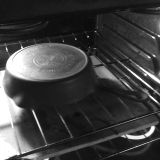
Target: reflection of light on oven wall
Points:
(140, 137)
(4, 113)
(6, 150)
(1, 77)
(7, 144)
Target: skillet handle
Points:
(137, 95)
(22, 100)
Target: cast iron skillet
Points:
(50, 74)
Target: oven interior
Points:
(124, 50)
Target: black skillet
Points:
(50, 74)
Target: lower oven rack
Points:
(94, 136)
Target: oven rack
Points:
(97, 136)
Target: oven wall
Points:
(132, 36)
(68, 24)
(27, 9)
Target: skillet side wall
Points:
(27, 94)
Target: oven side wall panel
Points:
(120, 36)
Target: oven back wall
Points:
(26, 9)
